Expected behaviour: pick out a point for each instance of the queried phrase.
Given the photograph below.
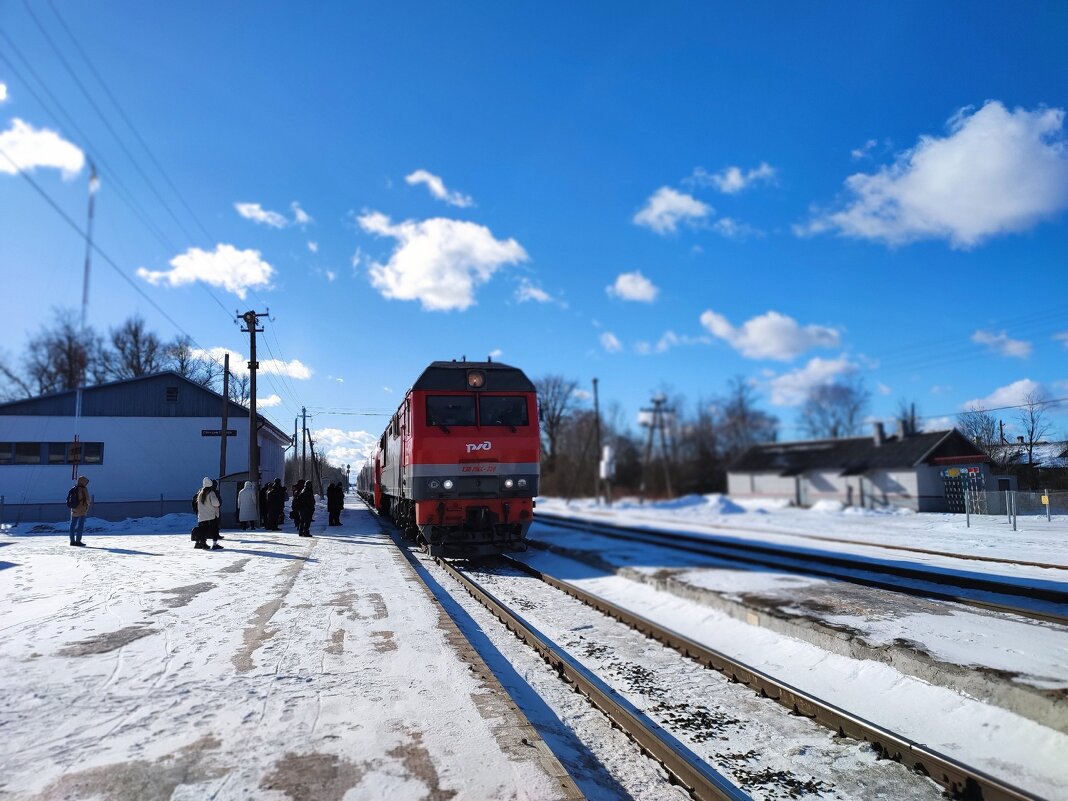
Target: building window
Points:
(92, 453)
(172, 394)
(27, 453)
(57, 452)
(7, 453)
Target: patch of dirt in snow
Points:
(236, 567)
(180, 596)
(337, 643)
(257, 633)
(379, 604)
(314, 777)
(139, 780)
(384, 641)
(417, 761)
(108, 641)
(773, 783)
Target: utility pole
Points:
(304, 443)
(597, 435)
(658, 420)
(225, 416)
(252, 328)
(76, 449)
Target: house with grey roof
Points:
(144, 443)
(925, 472)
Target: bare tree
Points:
(135, 351)
(979, 426)
(12, 386)
(556, 401)
(740, 424)
(1035, 426)
(62, 357)
(187, 361)
(240, 388)
(834, 411)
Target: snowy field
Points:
(137, 669)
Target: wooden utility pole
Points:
(597, 430)
(304, 443)
(657, 421)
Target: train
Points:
(458, 464)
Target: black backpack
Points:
(73, 501)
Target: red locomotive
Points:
(457, 467)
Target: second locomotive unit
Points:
(457, 467)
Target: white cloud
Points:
(438, 190)
(730, 228)
(439, 262)
(496, 353)
(227, 267)
(3, 92)
(997, 171)
(1062, 337)
(791, 389)
(274, 219)
(732, 180)
(1013, 394)
(770, 336)
(527, 290)
(883, 389)
(633, 286)
(864, 151)
(258, 214)
(610, 342)
(294, 368)
(1001, 343)
(313, 247)
(345, 447)
(582, 394)
(268, 402)
(31, 148)
(331, 276)
(300, 216)
(939, 423)
(667, 341)
(666, 208)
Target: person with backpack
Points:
(78, 501)
(208, 507)
(304, 504)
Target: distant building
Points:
(145, 444)
(1047, 468)
(924, 472)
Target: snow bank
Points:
(168, 524)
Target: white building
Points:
(145, 445)
(925, 472)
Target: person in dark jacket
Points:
(262, 508)
(294, 508)
(275, 505)
(331, 504)
(304, 504)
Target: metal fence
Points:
(1025, 503)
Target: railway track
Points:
(1040, 600)
(683, 766)
(959, 780)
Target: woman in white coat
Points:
(246, 507)
(207, 516)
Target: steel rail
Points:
(959, 780)
(820, 563)
(683, 766)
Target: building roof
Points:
(855, 455)
(164, 394)
(1046, 455)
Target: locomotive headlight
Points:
(522, 482)
(447, 484)
(434, 484)
(508, 483)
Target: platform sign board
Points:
(217, 432)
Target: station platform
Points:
(277, 668)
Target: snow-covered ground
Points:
(137, 669)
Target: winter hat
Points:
(206, 482)
(248, 485)
(83, 480)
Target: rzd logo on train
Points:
(478, 446)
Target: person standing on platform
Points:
(80, 511)
(275, 505)
(246, 506)
(294, 507)
(304, 504)
(262, 508)
(208, 508)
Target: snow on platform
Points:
(278, 668)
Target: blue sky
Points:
(662, 197)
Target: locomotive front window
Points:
(507, 410)
(450, 410)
